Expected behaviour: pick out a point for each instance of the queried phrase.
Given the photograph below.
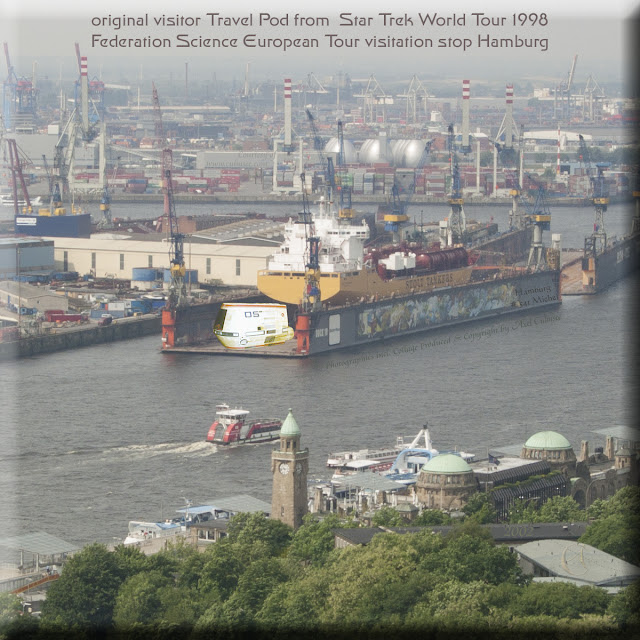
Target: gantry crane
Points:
(19, 97)
(563, 95)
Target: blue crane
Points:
(398, 212)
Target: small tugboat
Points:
(231, 427)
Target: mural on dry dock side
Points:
(436, 309)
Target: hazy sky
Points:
(45, 32)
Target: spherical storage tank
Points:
(371, 152)
(333, 146)
(407, 153)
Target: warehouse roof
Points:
(234, 504)
(501, 533)
(578, 561)
(38, 542)
(368, 480)
(621, 432)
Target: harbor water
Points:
(95, 437)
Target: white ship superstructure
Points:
(341, 247)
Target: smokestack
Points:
(465, 117)
(558, 160)
(84, 86)
(287, 114)
(508, 125)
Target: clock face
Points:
(284, 468)
(298, 467)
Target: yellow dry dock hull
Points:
(354, 287)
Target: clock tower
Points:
(289, 466)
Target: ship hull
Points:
(68, 226)
(349, 288)
(371, 322)
(611, 265)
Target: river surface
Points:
(95, 437)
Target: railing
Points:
(37, 583)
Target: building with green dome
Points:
(445, 482)
(552, 447)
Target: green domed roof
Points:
(290, 426)
(447, 463)
(547, 440)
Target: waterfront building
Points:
(116, 255)
(445, 482)
(30, 299)
(552, 447)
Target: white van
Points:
(242, 326)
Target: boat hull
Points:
(357, 286)
(243, 441)
(68, 226)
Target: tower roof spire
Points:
(290, 426)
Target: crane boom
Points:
(318, 145)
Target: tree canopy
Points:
(265, 578)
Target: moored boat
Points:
(401, 462)
(231, 427)
(374, 459)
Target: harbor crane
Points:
(562, 95)
(177, 287)
(539, 215)
(19, 97)
(157, 115)
(597, 241)
(327, 162)
(55, 197)
(398, 215)
(18, 160)
(311, 292)
(456, 225)
(513, 168)
(345, 209)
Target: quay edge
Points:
(80, 337)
